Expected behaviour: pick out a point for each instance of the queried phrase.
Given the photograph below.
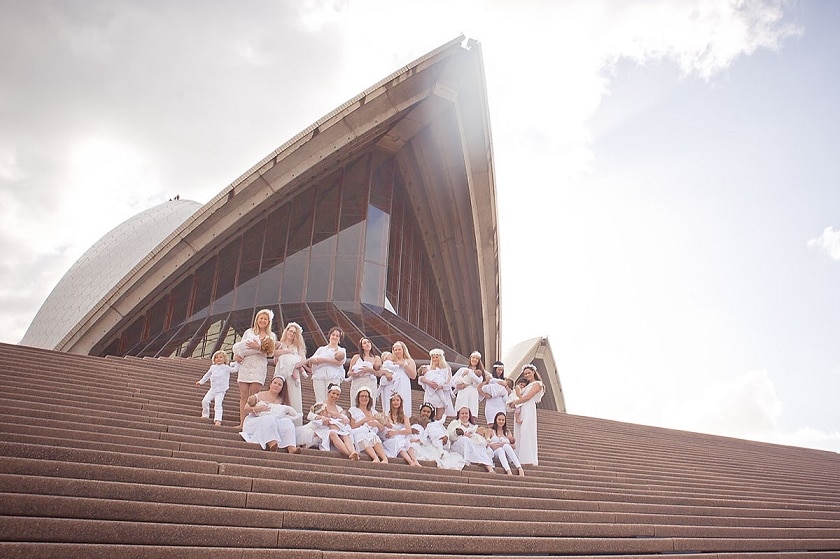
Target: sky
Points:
(668, 186)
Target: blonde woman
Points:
(290, 355)
(252, 352)
(398, 376)
(435, 378)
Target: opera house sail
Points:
(379, 218)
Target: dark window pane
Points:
(293, 275)
(229, 260)
(268, 290)
(249, 265)
(354, 193)
(204, 281)
(277, 225)
(180, 301)
(320, 271)
(327, 208)
(300, 222)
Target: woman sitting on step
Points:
(500, 444)
(465, 441)
(269, 422)
(332, 425)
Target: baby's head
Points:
(509, 382)
(522, 382)
(267, 346)
(220, 358)
(484, 432)
(318, 408)
(252, 400)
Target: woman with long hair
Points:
(363, 369)
(290, 355)
(435, 378)
(500, 443)
(397, 376)
(397, 436)
(269, 420)
(251, 352)
(525, 429)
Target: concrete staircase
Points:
(107, 457)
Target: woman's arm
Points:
(411, 370)
(529, 393)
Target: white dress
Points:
(359, 379)
(526, 432)
(440, 398)
(495, 392)
(323, 374)
(469, 445)
(322, 427)
(274, 424)
(284, 368)
(254, 365)
(504, 454)
(428, 445)
(364, 435)
(395, 443)
(465, 382)
(400, 383)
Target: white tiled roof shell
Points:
(99, 269)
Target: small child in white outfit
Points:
(515, 393)
(219, 376)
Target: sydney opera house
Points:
(379, 218)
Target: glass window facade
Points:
(338, 253)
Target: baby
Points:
(482, 435)
(515, 393)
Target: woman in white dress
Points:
(365, 426)
(269, 420)
(495, 391)
(430, 441)
(435, 378)
(397, 436)
(465, 383)
(290, 355)
(251, 352)
(327, 364)
(500, 444)
(397, 376)
(332, 425)
(526, 430)
(464, 440)
(363, 370)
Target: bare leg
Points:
(370, 452)
(381, 453)
(244, 392)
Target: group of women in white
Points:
(273, 418)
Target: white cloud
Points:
(745, 405)
(828, 242)
(703, 37)
(10, 169)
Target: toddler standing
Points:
(219, 376)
